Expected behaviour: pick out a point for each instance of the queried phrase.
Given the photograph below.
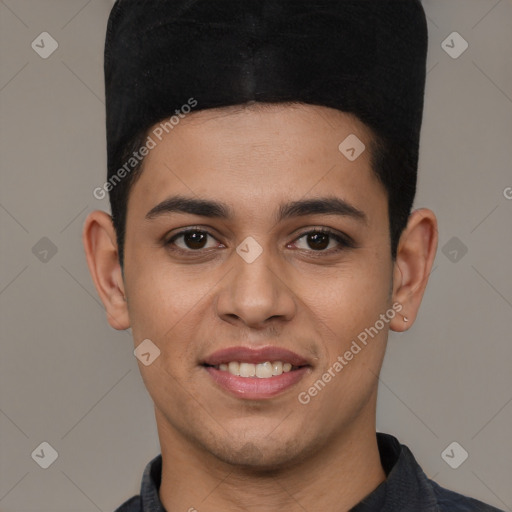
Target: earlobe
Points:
(415, 257)
(100, 246)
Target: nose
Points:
(256, 294)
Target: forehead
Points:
(247, 153)
(265, 118)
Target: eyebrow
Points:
(219, 210)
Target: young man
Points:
(262, 164)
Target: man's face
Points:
(195, 295)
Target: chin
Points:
(260, 454)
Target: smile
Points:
(265, 370)
(255, 373)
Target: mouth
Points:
(256, 373)
(264, 370)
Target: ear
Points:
(415, 256)
(100, 246)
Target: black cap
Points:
(367, 57)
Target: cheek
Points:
(161, 299)
(346, 312)
(352, 294)
(164, 306)
(346, 307)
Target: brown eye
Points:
(195, 240)
(323, 241)
(318, 241)
(191, 240)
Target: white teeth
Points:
(247, 370)
(277, 368)
(262, 370)
(234, 368)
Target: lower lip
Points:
(254, 388)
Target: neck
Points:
(335, 477)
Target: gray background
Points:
(68, 379)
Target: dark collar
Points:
(406, 487)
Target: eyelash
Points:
(344, 242)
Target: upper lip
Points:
(255, 356)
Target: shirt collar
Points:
(150, 486)
(406, 485)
